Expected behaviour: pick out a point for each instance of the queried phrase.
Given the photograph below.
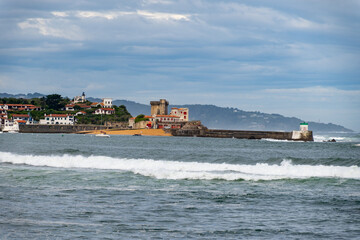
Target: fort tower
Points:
(159, 107)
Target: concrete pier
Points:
(294, 136)
(39, 128)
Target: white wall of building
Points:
(57, 119)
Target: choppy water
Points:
(124, 187)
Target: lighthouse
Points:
(304, 126)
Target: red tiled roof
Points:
(58, 115)
(167, 116)
(19, 105)
(21, 121)
(107, 109)
(20, 115)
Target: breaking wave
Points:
(187, 170)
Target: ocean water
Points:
(55, 186)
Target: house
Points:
(62, 119)
(95, 104)
(3, 120)
(22, 107)
(71, 107)
(107, 102)
(20, 117)
(142, 124)
(106, 111)
(182, 113)
(168, 121)
(80, 113)
(4, 107)
(79, 99)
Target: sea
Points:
(69, 186)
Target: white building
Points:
(62, 119)
(105, 111)
(80, 99)
(107, 102)
(182, 113)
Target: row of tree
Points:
(55, 104)
(53, 101)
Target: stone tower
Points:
(159, 107)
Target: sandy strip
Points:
(144, 132)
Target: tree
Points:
(140, 118)
(53, 101)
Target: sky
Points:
(296, 58)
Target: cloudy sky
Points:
(296, 58)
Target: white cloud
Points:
(263, 17)
(60, 14)
(316, 90)
(111, 15)
(163, 16)
(52, 27)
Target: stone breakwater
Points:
(38, 128)
(293, 136)
(191, 129)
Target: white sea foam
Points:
(187, 170)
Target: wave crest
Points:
(162, 169)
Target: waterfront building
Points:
(182, 113)
(21, 107)
(159, 107)
(62, 119)
(71, 107)
(105, 111)
(107, 102)
(20, 118)
(150, 123)
(80, 99)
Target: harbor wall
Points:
(295, 135)
(40, 128)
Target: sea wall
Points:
(40, 128)
(302, 136)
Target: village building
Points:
(150, 123)
(167, 121)
(80, 113)
(21, 118)
(80, 99)
(62, 119)
(160, 118)
(182, 113)
(159, 107)
(4, 108)
(22, 107)
(106, 103)
(105, 111)
(71, 107)
(3, 120)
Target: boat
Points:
(102, 134)
(137, 134)
(11, 127)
